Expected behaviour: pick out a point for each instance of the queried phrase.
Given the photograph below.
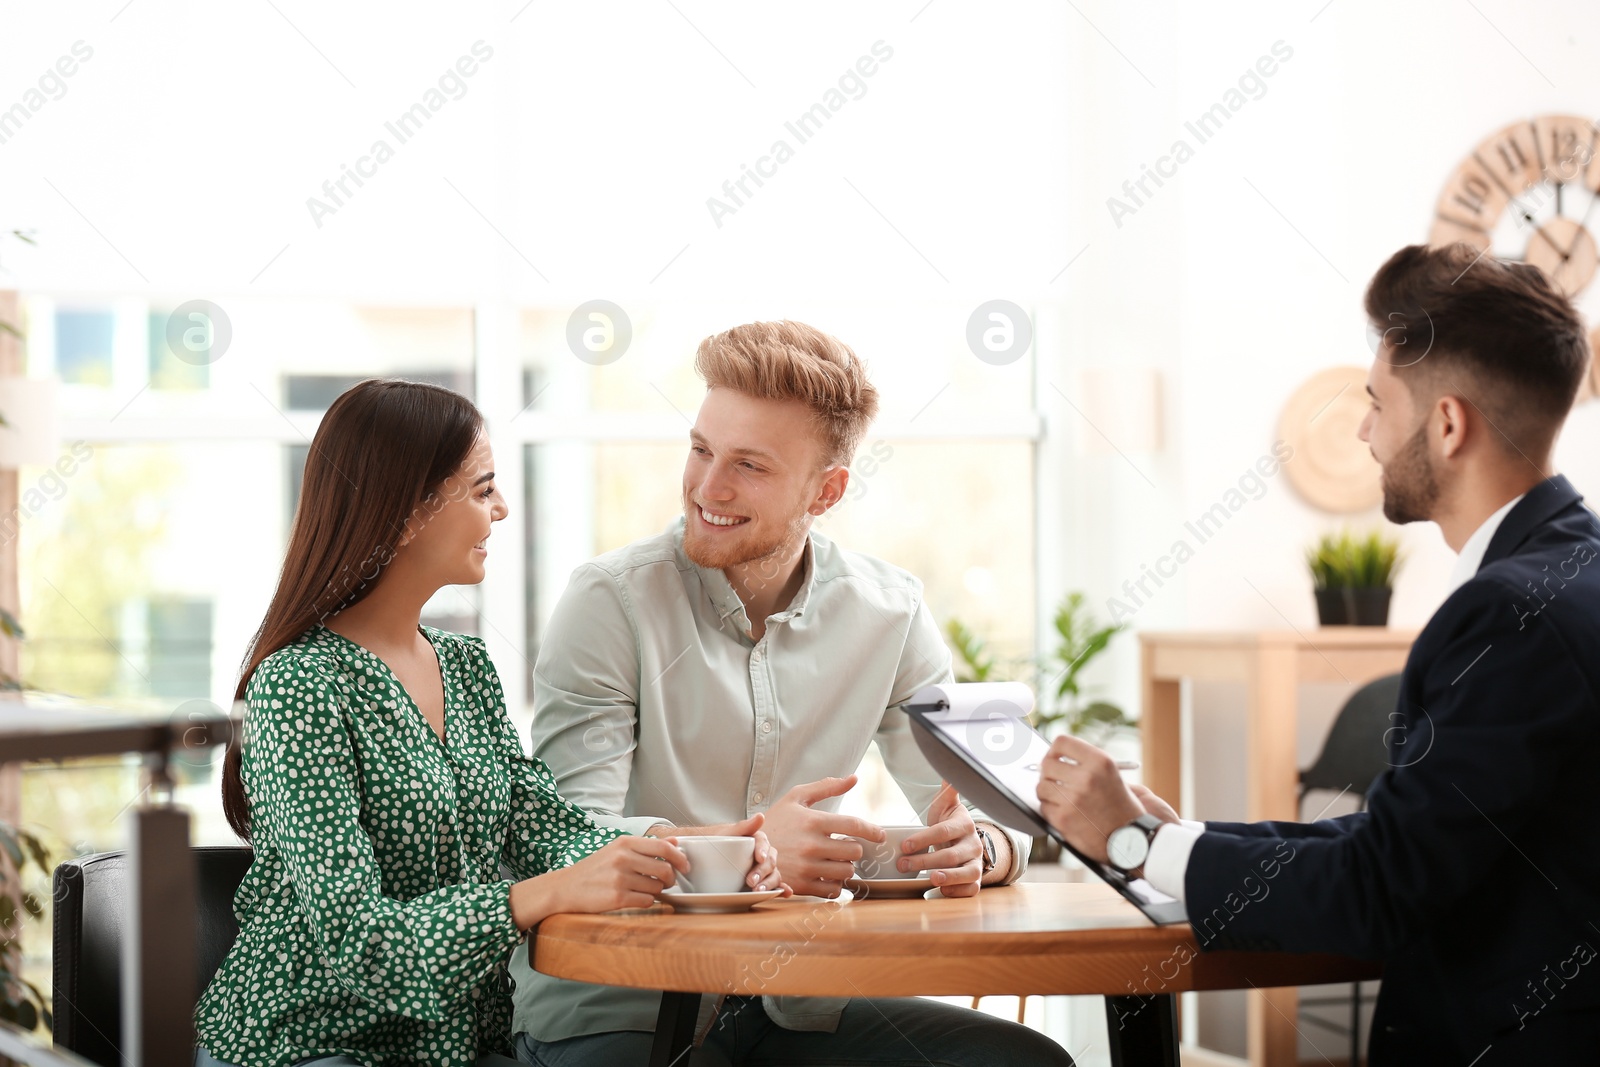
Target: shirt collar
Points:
(721, 593)
(1471, 557)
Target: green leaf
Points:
(1344, 560)
(36, 849)
(1056, 676)
(25, 236)
(8, 622)
(1105, 713)
(43, 1004)
(1093, 647)
(6, 327)
(1044, 721)
(974, 662)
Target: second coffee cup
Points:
(880, 860)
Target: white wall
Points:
(1351, 143)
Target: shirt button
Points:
(756, 798)
(766, 727)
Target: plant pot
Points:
(1354, 606)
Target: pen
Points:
(1122, 764)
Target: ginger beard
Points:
(752, 541)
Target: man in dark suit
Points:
(1474, 873)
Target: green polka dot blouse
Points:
(373, 922)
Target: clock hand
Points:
(1539, 232)
(1583, 223)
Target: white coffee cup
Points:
(879, 860)
(717, 864)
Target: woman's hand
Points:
(625, 873)
(765, 874)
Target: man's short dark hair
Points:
(1498, 334)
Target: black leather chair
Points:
(91, 903)
(1352, 757)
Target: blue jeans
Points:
(202, 1058)
(872, 1033)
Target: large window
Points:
(147, 569)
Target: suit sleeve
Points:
(1335, 827)
(1497, 712)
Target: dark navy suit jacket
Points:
(1474, 873)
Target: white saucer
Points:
(714, 903)
(888, 888)
(844, 897)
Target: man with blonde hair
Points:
(729, 673)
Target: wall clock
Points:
(1528, 192)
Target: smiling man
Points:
(740, 664)
(1474, 873)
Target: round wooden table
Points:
(1030, 938)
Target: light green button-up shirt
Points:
(652, 704)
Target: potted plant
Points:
(1353, 577)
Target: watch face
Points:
(988, 850)
(1127, 847)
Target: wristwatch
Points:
(1128, 846)
(989, 859)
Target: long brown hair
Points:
(379, 457)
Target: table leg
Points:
(1274, 776)
(1274, 788)
(1143, 1031)
(1271, 1038)
(675, 1030)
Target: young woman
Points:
(381, 782)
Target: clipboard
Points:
(978, 749)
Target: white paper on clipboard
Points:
(989, 721)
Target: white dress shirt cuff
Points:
(1168, 861)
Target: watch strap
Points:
(990, 860)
